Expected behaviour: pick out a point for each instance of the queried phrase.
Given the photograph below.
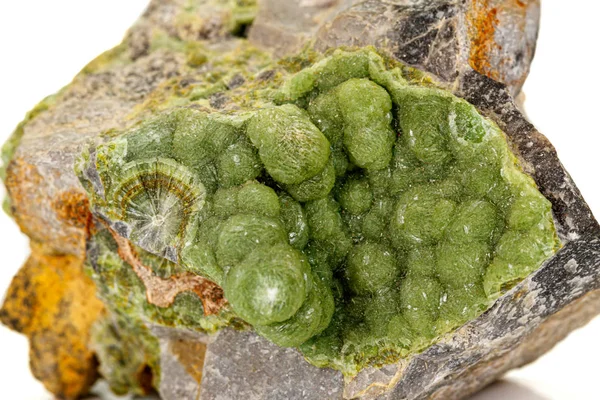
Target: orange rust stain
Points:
(483, 20)
(162, 292)
(73, 207)
(28, 193)
(53, 302)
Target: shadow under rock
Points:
(507, 389)
(101, 391)
(500, 390)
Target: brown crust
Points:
(162, 292)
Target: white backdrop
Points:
(43, 44)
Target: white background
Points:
(43, 44)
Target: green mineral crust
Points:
(345, 205)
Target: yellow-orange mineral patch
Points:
(483, 20)
(54, 303)
(486, 56)
(191, 354)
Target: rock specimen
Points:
(343, 204)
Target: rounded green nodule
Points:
(356, 196)
(241, 234)
(368, 136)
(420, 301)
(371, 267)
(268, 286)
(199, 137)
(311, 319)
(421, 216)
(289, 145)
(294, 221)
(237, 164)
(316, 187)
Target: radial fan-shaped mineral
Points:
(159, 201)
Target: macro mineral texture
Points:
(298, 199)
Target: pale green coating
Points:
(344, 210)
(268, 286)
(371, 267)
(289, 145)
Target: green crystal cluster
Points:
(345, 211)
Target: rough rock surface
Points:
(245, 363)
(182, 355)
(479, 49)
(447, 38)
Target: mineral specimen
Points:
(381, 209)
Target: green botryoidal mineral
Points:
(346, 211)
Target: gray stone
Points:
(445, 37)
(245, 365)
(182, 355)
